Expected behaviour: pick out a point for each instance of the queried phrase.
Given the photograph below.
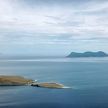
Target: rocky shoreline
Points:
(21, 81)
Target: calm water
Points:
(88, 79)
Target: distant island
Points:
(88, 54)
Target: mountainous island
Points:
(87, 54)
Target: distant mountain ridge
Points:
(88, 54)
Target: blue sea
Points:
(86, 77)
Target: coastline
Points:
(21, 81)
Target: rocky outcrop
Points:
(21, 81)
(48, 85)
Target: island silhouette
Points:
(87, 54)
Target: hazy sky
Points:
(53, 27)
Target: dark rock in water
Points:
(14, 81)
(88, 54)
(48, 85)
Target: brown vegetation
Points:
(14, 80)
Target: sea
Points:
(86, 80)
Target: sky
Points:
(53, 27)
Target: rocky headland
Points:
(21, 81)
(48, 85)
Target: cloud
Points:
(53, 22)
(46, 19)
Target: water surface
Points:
(87, 77)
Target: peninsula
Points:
(21, 81)
(87, 54)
